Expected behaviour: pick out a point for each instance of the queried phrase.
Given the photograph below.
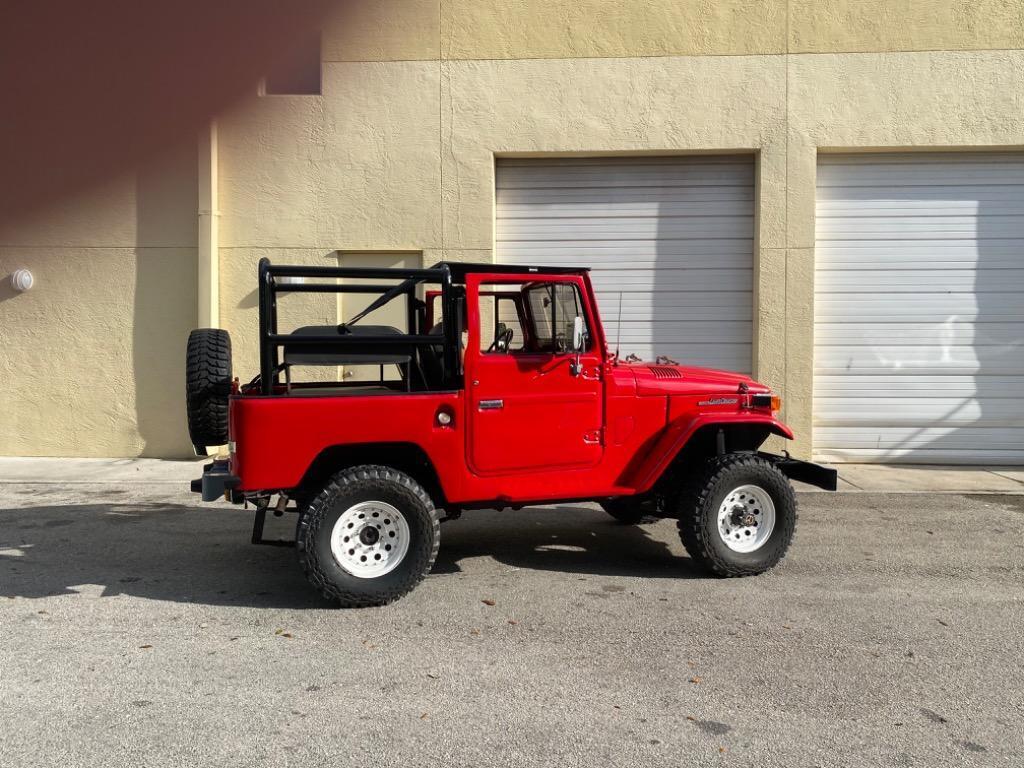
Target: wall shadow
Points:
(702, 302)
(165, 297)
(6, 289)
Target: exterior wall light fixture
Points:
(22, 280)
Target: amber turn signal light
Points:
(766, 400)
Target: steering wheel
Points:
(502, 340)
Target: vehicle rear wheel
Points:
(627, 510)
(369, 537)
(208, 386)
(738, 516)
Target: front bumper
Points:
(216, 482)
(825, 478)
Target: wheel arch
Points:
(704, 437)
(409, 458)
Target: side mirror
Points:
(579, 336)
(579, 342)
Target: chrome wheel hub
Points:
(746, 518)
(370, 539)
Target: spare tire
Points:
(207, 386)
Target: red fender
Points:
(677, 435)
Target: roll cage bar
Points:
(271, 341)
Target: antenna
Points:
(618, 328)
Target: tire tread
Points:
(693, 508)
(208, 385)
(353, 480)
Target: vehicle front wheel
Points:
(368, 537)
(738, 517)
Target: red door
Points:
(531, 407)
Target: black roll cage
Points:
(271, 341)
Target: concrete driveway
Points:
(139, 628)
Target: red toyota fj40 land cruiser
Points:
(509, 398)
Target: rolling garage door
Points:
(919, 309)
(672, 236)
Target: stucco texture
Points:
(360, 170)
(92, 356)
(827, 26)
(383, 30)
(530, 29)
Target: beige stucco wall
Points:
(419, 96)
(90, 358)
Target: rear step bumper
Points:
(826, 478)
(216, 481)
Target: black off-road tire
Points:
(346, 489)
(208, 386)
(627, 510)
(698, 507)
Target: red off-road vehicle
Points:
(500, 391)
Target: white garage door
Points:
(919, 309)
(672, 236)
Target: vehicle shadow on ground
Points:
(565, 539)
(181, 553)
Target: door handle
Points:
(491, 405)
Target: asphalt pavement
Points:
(140, 628)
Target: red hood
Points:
(657, 379)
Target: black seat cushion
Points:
(337, 354)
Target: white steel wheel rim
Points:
(746, 518)
(370, 539)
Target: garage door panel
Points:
(954, 332)
(624, 228)
(920, 170)
(709, 329)
(669, 240)
(625, 255)
(927, 201)
(623, 209)
(911, 227)
(922, 280)
(683, 316)
(918, 385)
(919, 309)
(929, 455)
(916, 360)
(612, 173)
(921, 411)
(674, 281)
(516, 199)
(875, 254)
(996, 438)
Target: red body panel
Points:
(609, 431)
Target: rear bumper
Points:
(826, 478)
(216, 482)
